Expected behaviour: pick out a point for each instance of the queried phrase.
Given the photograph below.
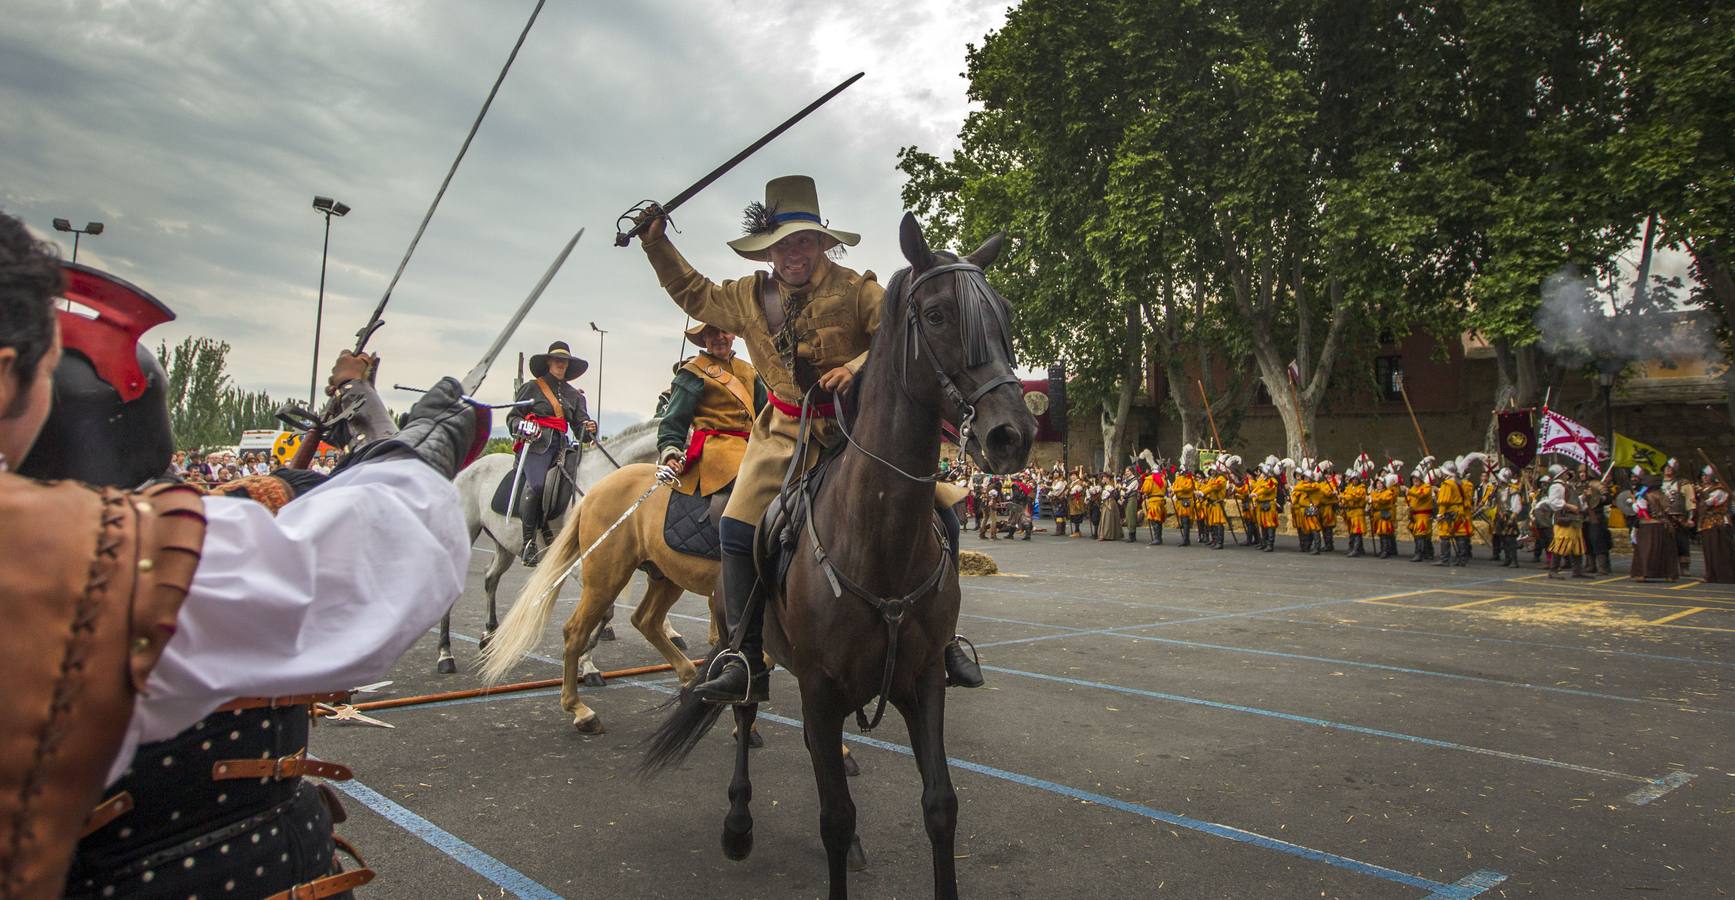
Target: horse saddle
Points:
(780, 526)
(559, 486)
(690, 524)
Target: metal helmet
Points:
(110, 421)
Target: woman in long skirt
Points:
(1109, 522)
(1653, 543)
(1716, 540)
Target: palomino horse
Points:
(874, 607)
(636, 443)
(637, 542)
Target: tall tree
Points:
(205, 408)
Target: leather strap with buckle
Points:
(328, 886)
(294, 766)
(240, 703)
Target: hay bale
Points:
(975, 562)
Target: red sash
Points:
(793, 410)
(555, 422)
(696, 444)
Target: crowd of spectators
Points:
(223, 466)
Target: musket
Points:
(630, 217)
(316, 427)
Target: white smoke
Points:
(1582, 322)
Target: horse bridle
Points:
(948, 384)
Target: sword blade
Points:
(622, 239)
(473, 380)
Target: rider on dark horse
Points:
(712, 403)
(557, 410)
(807, 323)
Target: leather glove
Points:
(443, 430)
(528, 429)
(362, 416)
(674, 459)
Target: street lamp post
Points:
(600, 335)
(1606, 370)
(92, 228)
(328, 208)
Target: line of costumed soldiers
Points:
(1442, 505)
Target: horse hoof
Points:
(856, 858)
(487, 638)
(447, 666)
(593, 679)
(607, 633)
(737, 845)
(679, 642)
(755, 741)
(590, 725)
(850, 767)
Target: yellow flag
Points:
(1629, 453)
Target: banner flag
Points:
(1629, 453)
(1568, 438)
(1517, 437)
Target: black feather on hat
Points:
(558, 350)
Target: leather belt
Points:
(107, 811)
(280, 769)
(240, 703)
(325, 887)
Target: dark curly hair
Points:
(30, 279)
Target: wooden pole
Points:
(1208, 414)
(1412, 410)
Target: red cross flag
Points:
(1568, 438)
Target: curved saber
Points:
(473, 380)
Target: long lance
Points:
(1413, 421)
(1209, 416)
(316, 428)
(633, 228)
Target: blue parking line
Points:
(502, 875)
(1464, 889)
(1326, 723)
(1576, 692)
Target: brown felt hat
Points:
(791, 205)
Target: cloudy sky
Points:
(199, 132)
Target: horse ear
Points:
(985, 255)
(914, 244)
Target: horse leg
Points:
(925, 717)
(675, 639)
(580, 634)
(822, 714)
(651, 618)
(490, 586)
(738, 824)
(446, 664)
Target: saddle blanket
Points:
(689, 527)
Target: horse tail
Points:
(688, 721)
(522, 629)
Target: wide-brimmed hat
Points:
(696, 334)
(791, 205)
(557, 350)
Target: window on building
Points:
(1389, 375)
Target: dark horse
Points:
(943, 352)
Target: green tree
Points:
(206, 409)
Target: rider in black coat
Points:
(557, 415)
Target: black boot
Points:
(1578, 567)
(1603, 564)
(1463, 551)
(1331, 540)
(1186, 533)
(531, 554)
(1445, 552)
(962, 670)
(1417, 541)
(1158, 540)
(735, 681)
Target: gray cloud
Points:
(199, 132)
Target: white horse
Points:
(476, 485)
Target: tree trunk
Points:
(1117, 423)
(1714, 272)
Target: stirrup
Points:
(712, 671)
(975, 660)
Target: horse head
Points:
(962, 327)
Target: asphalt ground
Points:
(1158, 722)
